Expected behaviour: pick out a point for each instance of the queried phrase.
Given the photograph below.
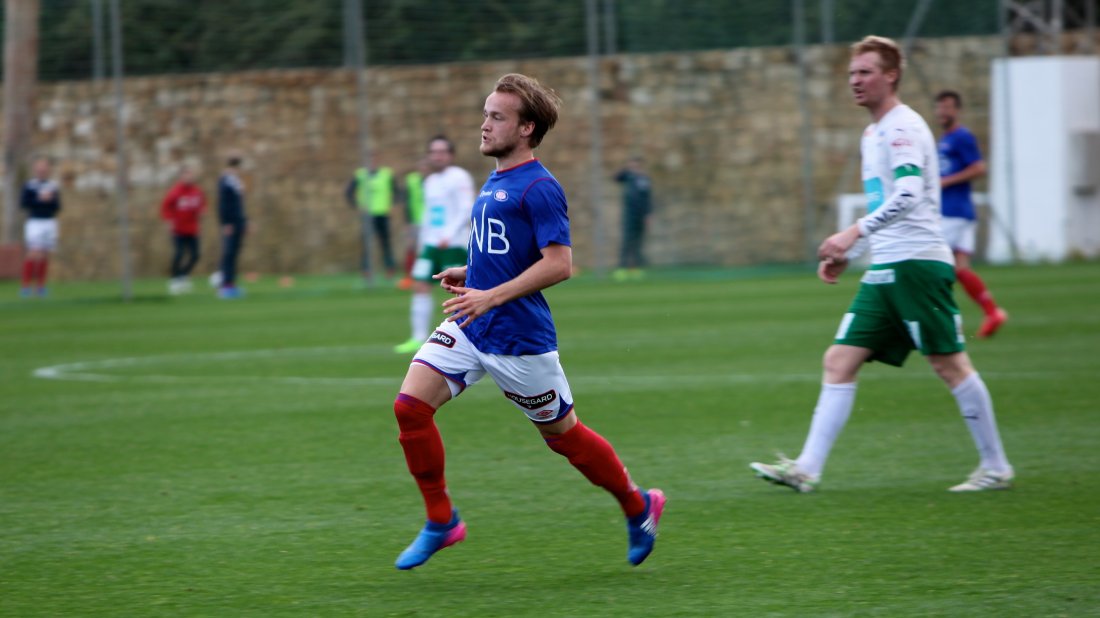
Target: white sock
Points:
(834, 405)
(976, 407)
(420, 314)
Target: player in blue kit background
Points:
(500, 325)
(961, 162)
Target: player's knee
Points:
(951, 368)
(412, 414)
(840, 366)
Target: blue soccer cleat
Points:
(642, 529)
(431, 539)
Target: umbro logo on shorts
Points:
(533, 403)
(442, 338)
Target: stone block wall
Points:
(721, 131)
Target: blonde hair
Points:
(538, 104)
(889, 53)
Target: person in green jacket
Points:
(372, 192)
(413, 198)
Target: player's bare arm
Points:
(555, 266)
(968, 173)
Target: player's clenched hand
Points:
(828, 270)
(452, 278)
(469, 305)
(837, 245)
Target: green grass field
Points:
(192, 457)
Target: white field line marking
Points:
(98, 371)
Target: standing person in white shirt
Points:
(444, 234)
(905, 301)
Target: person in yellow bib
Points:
(413, 198)
(372, 192)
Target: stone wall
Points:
(721, 131)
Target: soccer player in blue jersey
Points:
(961, 162)
(500, 324)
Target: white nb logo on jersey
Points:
(491, 232)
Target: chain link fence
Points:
(738, 106)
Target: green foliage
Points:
(244, 461)
(169, 36)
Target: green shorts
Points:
(902, 307)
(434, 260)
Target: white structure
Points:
(1045, 164)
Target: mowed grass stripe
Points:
(232, 493)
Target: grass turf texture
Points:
(244, 462)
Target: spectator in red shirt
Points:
(182, 207)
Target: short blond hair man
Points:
(905, 300)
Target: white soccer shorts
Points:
(535, 383)
(40, 234)
(959, 233)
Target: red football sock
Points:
(42, 265)
(975, 288)
(424, 453)
(594, 456)
(29, 266)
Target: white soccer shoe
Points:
(786, 472)
(983, 480)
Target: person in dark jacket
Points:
(234, 224)
(637, 204)
(42, 200)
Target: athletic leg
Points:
(177, 256)
(30, 267)
(382, 230)
(595, 458)
(624, 248)
(232, 245)
(639, 242)
(834, 406)
(40, 272)
(366, 224)
(420, 305)
(421, 395)
(536, 384)
(975, 288)
(976, 406)
(33, 254)
(192, 250)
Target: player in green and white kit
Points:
(905, 300)
(444, 234)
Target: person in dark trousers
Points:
(373, 192)
(182, 207)
(233, 224)
(42, 200)
(637, 204)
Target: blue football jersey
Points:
(519, 211)
(958, 150)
